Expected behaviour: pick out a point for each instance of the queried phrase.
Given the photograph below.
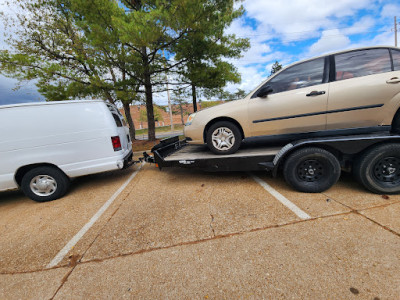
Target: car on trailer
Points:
(348, 92)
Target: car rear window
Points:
(396, 59)
(362, 63)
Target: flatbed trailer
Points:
(308, 165)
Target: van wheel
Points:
(224, 138)
(44, 184)
(378, 169)
(311, 170)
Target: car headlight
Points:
(190, 119)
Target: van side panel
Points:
(76, 137)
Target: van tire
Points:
(373, 169)
(54, 184)
(230, 129)
(311, 170)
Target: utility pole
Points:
(395, 32)
(169, 101)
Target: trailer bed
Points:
(173, 152)
(194, 152)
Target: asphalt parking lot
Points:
(179, 233)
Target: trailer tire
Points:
(311, 170)
(45, 183)
(223, 137)
(378, 169)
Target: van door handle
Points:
(315, 93)
(393, 80)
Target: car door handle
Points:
(315, 93)
(393, 80)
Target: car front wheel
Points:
(224, 138)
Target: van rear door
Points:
(122, 128)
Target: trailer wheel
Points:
(44, 184)
(224, 138)
(311, 170)
(378, 169)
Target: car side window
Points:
(396, 59)
(362, 63)
(299, 76)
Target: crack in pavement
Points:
(211, 214)
(358, 212)
(216, 237)
(77, 259)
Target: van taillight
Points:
(116, 142)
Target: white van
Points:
(44, 144)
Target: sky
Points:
(284, 31)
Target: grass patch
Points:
(160, 129)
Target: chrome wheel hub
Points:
(223, 138)
(43, 185)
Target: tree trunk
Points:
(194, 97)
(149, 96)
(149, 108)
(181, 108)
(127, 110)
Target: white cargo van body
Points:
(74, 138)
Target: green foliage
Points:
(275, 68)
(221, 94)
(113, 48)
(204, 51)
(157, 114)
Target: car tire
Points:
(223, 138)
(43, 184)
(378, 169)
(396, 123)
(311, 170)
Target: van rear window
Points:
(117, 120)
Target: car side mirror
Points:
(264, 91)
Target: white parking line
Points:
(301, 214)
(64, 251)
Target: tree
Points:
(110, 48)
(69, 58)
(157, 114)
(221, 94)
(179, 101)
(275, 67)
(240, 94)
(204, 52)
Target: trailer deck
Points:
(191, 152)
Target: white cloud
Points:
(292, 20)
(362, 26)
(331, 40)
(391, 10)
